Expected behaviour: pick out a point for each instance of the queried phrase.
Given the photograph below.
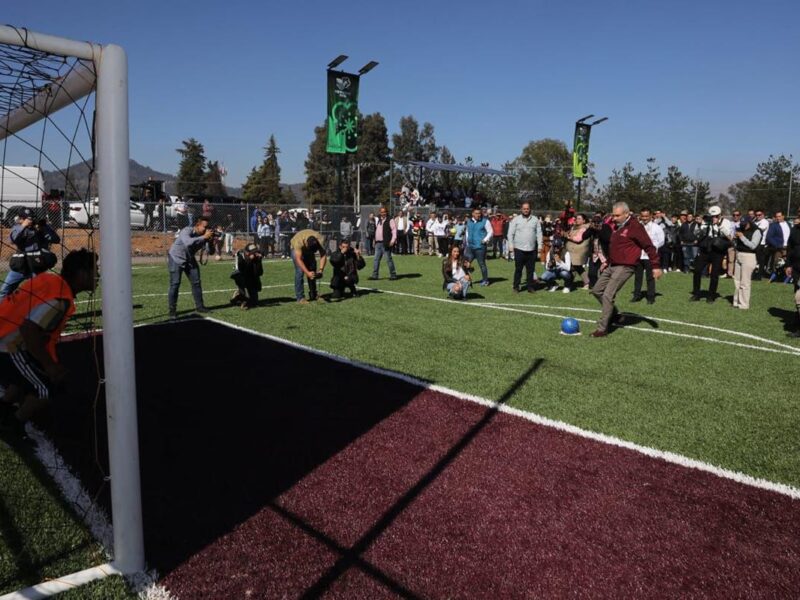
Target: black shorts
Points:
(23, 370)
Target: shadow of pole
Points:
(353, 555)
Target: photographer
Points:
(346, 262)
(32, 239)
(182, 259)
(305, 245)
(714, 240)
(793, 270)
(247, 272)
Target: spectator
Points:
(345, 229)
(547, 233)
(497, 222)
(31, 257)
(777, 240)
(440, 235)
(625, 250)
(181, 213)
(247, 271)
(264, 233)
(370, 233)
(644, 266)
(747, 240)
(793, 270)
(418, 229)
(714, 240)
(208, 210)
(385, 240)
(401, 223)
(306, 244)
(230, 230)
(558, 265)
(455, 271)
(431, 237)
(601, 239)
(687, 235)
(524, 237)
(346, 262)
(736, 222)
(577, 245)
(459, 230)
(478, 235)
(762, 255)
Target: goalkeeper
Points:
(31, 322)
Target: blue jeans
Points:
(192, 270)
(380, 250)
(549, 276)
(478, 254)
(310, 261)
(13, 279)
(464, 289)
(689, 254)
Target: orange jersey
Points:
(45, 300)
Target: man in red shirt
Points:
(627, 242)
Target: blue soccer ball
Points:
(570, 326)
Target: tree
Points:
(263, 182)
(768, 188)
(413, 143)
(191, 174)
(544, 171)
(373, 156)
(213, 179)
(678, 195)
(320, 169)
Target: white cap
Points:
(714, 211)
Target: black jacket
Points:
(345, 268)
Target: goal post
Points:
(103, 70)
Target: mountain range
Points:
(79, 174)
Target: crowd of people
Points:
(597, 252)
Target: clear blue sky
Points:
(708, 85)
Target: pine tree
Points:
(213, 178)
(191, 174)
(271, 173)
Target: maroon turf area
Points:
(296, 476)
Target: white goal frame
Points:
(111, 154)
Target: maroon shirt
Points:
(627, 243)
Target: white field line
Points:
(670, 457)
(94, 517)
(658, 320)
(792, 351)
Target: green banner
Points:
(342, 112)
(580, 150)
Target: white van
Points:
(20, 188)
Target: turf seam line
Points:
(793, 352)
(667, 456)
(92, 515)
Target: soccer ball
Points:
(570, 326)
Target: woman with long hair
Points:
(578, 247)
(455, 271)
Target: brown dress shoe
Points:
(599, 333)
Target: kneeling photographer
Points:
(714, 239)
(346, 263)
(247, 272)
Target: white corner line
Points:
(670, 457)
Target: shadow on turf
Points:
(787, 317)
(218, 441)
(354, 555)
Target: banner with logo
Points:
(580, 150)
(342, 112)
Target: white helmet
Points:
(714, 211)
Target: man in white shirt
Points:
(656, 234)
(761, 252)
(429, 234)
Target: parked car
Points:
(82, 217)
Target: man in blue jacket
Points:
(478, 233)
(777, 239)
(182, 259)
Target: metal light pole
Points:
(791, 179)
(341, 157)
(582, 123)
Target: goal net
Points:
(64, 155)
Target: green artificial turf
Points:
(732, 406)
